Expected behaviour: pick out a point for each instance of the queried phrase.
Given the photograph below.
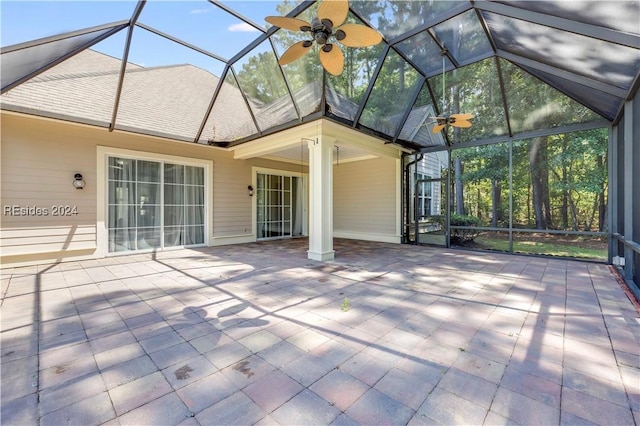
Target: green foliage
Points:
(557, 182)
(346, 305)
(574, 181)
(461, 236)
(575, 248)
(261, 79)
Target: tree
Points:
(540, 182)
(486, 169)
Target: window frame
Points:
(424, 194)
(102, 193)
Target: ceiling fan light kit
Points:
(325, 33)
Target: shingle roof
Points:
(171, 100)
(587, 51)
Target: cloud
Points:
(199, 11)
(244, 27)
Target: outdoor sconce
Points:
(78, 182)
(250, 189)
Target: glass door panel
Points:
(275, 199)
(431, 226)
(153, 205)
(426, 199)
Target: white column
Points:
(321, 199)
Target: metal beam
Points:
(485, 28)
(289, 125)
(477, 58)
(409, 61)
(184, 43)
(567, 75)
(237, 15)
(58, 37)
(525, 135)
(372, 82)
(286, 81)
(246, 101)
(613, 191)
(213, 100)
(504, 96)
(602, 113)
(563, 24)
(630, 132)
(59, 59)
(635, 86)
(123, 64)
(298, 10)
(405, 116)
(463, 7)
(366, 22)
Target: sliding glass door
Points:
(279, 206)
(154, 204)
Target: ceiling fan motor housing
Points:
(321, 30)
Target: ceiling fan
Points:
(325, 30)
(454, 120)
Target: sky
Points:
(196, 22)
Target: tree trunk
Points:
(496, 196)
(537, 182)
(602, 208)
(459, 188)
(529, 201)
(596, 202)
(546, 199)
(574, 212)
(564, 209)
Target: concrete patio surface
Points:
(259, 334)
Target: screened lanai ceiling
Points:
(208, 72)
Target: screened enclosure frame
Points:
(572, 82)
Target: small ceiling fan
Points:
(454, 120)
(325, 30)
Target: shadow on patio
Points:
(257, 333)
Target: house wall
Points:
(366, 200)
(38, 160)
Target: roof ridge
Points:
(66, 76)
(53, 77)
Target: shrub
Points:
(461, 236)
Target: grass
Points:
(345, 304)
(537, 246)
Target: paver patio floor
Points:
(259, 334)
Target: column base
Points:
(329, 255)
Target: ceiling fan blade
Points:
(295, 51)
(438, 128)
(462, 116)
(292, 24)
(461, 123)
(334, 10)
(333, 59)
(356, 35)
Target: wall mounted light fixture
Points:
(250, 189)
(78, 182)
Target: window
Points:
(154, 204)
(424, 195)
